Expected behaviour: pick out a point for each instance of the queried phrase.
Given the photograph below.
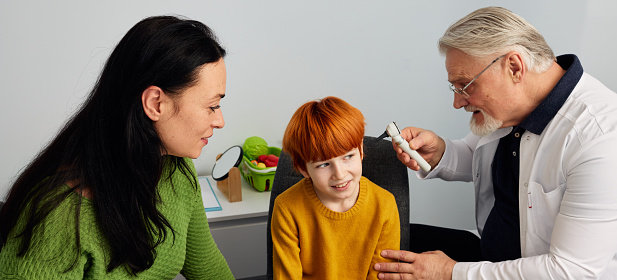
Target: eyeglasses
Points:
(461, 91)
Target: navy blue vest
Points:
(500, 238)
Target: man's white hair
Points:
(490, 30)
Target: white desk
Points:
(239, 229)
(254, 203)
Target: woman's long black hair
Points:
(111, 148)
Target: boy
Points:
(334, 223)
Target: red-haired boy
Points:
(334, 223)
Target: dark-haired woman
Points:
(115, 194)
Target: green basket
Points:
(260, 178)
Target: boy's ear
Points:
(362, 149)
(151, 100)
(304, 173)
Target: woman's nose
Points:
(219, 121)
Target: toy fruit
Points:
(254, 162)
(254, 146)
(269, 160)
(259, 177)
(261, 165)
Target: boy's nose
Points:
(338, 171)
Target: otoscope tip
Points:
(383, 135)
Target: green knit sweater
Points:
(193, 252)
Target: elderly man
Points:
(541, 156)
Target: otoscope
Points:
(395, 133)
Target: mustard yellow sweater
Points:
(193, 252)
(311, 241)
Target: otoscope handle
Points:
(413, 154)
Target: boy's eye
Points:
(325, 164)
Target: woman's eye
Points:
(215, 108)
(322, 165)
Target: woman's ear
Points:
(151, 100)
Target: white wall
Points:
(379, 56)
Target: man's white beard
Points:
(487, 127)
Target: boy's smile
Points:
(337, 180)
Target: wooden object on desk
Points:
(231, 186)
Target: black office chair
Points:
(380, 165)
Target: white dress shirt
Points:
(567, 190)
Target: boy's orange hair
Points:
(323, 129)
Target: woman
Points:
(115, 194)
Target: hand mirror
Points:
(230, 158)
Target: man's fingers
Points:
(400, 255)
(388, 276)
(417, 142)
(427, 265)
(393, 267)
(407, 160)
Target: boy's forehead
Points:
(356, 149)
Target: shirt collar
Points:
(548, 108)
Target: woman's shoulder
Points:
(179, 175)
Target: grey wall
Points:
(378, 55)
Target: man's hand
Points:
(430, 146)
(428, 265)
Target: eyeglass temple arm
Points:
(487, 67)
